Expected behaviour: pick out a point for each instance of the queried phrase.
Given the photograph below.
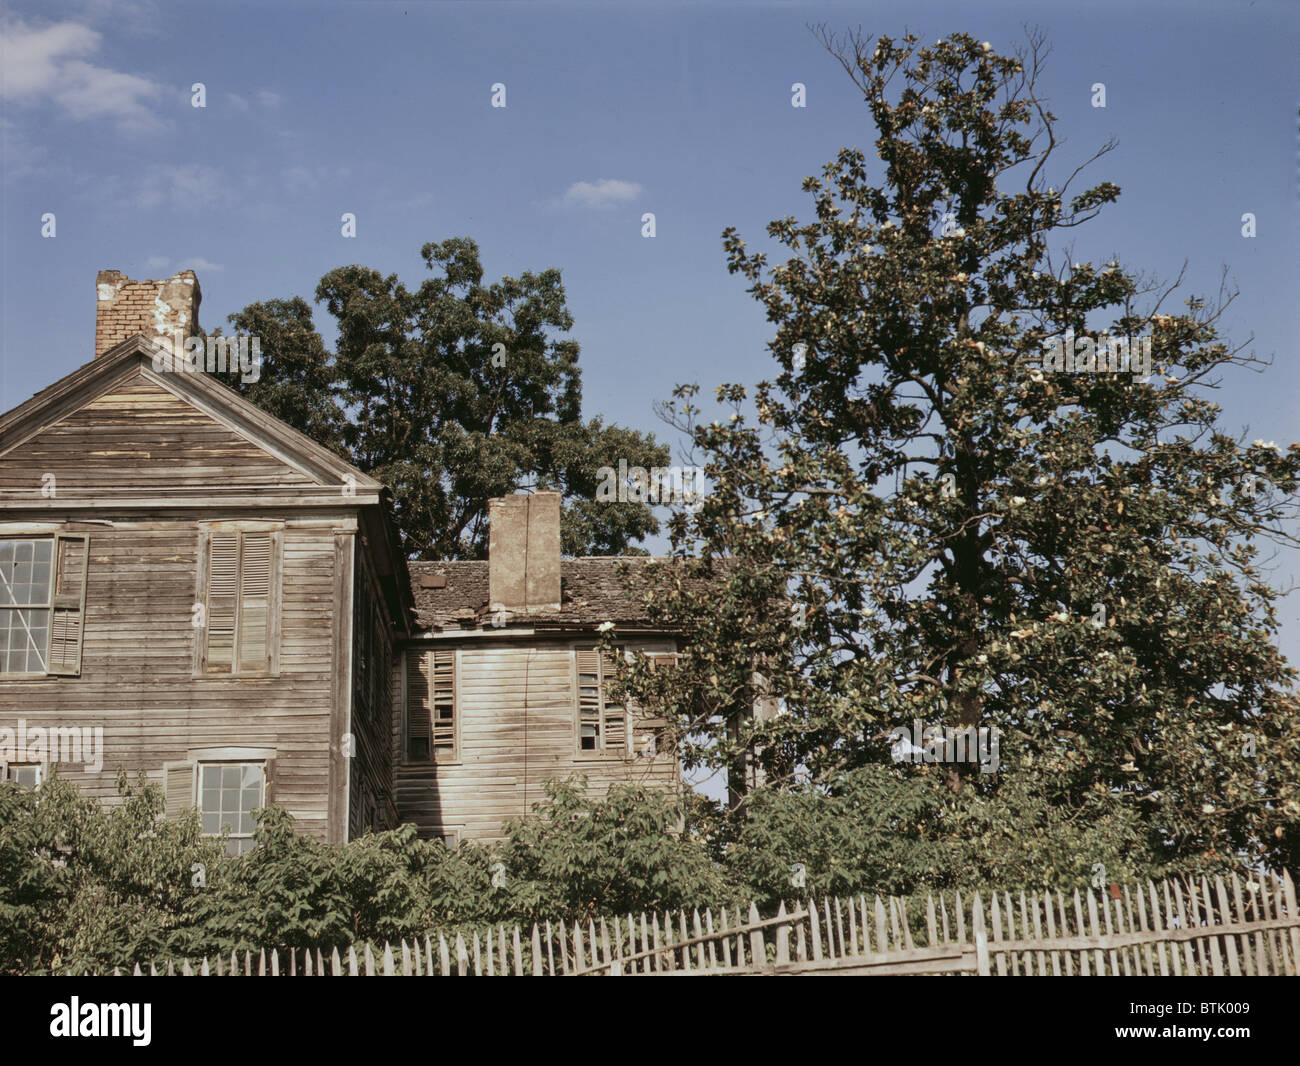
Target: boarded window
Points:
(431, 718)
(241, 599)
(602, 725)
(42, 604)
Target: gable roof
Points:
(325, 476)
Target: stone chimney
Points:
(158, 309)
(524, 553)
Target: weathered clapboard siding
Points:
(137, 678)
(140, 436)
(517, 709)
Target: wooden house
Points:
(224, 602)
(503, 685)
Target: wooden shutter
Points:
(268, 783)
(613, 716)
(419, 737)
(223, 602)
(68, 604)
(255, 603)
(589, 722)
(178, 786)
(241, 603)
(443, 703)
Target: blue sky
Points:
(383, 110)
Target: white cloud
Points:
(197, 264)
(602, 194)
(48, 64)
(189, 185)
(265, 98)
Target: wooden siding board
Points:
(518, 713)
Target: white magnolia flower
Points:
(604, 627)
(1016, 501)
(986, 46)
(1269, 444)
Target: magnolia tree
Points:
(986, 489)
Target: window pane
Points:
(25, 634)
(230, 793)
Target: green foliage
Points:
(87, 887)
(628, 852)
(451, 394)
(881, 829)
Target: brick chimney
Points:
(167, 309)
(524, 553)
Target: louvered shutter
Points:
(68, 606)
(589, 722)
(268, 783)
(418, 717)
(223, 602)
(178, 786)
(443, 705)
(255, 603)
(614, 716)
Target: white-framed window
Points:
(42, 602)
(228, 793)
(27, 774)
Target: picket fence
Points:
(1177, 928)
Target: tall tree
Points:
(926, 522)
(451, 394)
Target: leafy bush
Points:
(90, 886)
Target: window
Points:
(27, 774)
(602, 726)
(228, 795)
(241, 601)
(42, 601)
(431, 718)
